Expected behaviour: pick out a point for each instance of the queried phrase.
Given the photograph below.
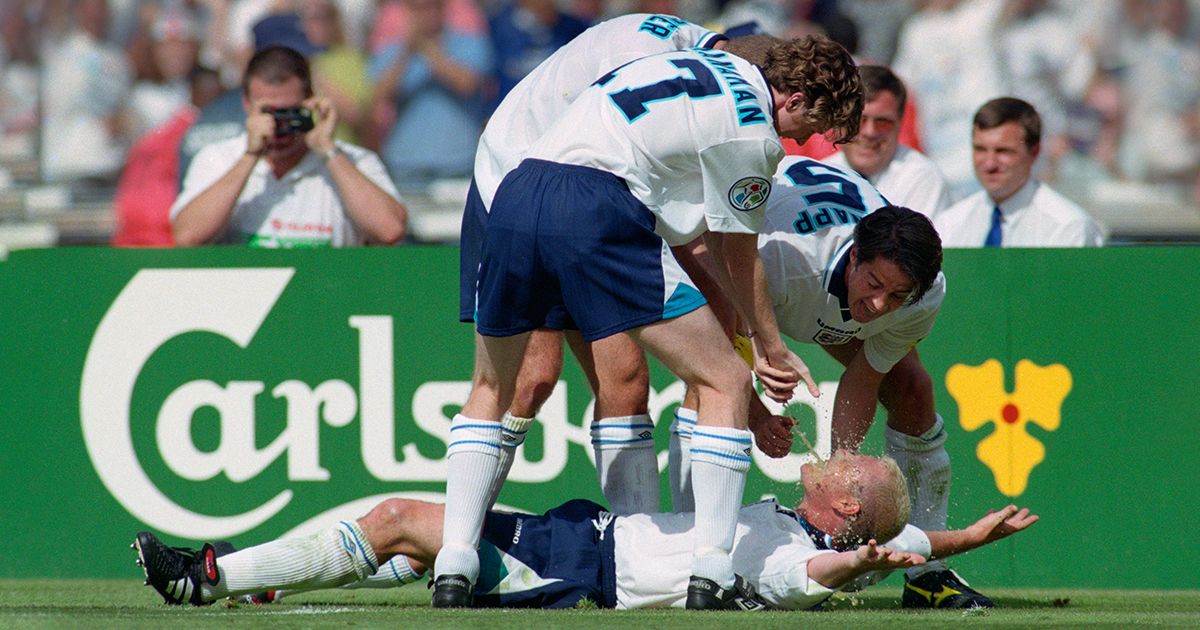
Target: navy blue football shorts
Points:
(574, 237)
(471, 236)
(549, 561)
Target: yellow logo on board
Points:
(1037, 396)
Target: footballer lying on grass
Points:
(791, 559)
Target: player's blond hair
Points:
(825, 74)
(884, 507)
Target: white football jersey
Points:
(770, 549)
(691, 132)
(544, 94)
(804, 245)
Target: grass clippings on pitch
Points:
(127, 604)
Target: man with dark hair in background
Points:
(1014, 209)
(903, 174)
(286, 182)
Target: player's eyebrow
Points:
(875, 278)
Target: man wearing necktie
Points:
(1014, 209)
(995, 235)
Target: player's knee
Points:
(530, 396)
(624, 391)
(732, 381)
(908, 390)
(390, 513)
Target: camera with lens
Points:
(292, 120)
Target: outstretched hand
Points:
(874, 557)
(998, 524)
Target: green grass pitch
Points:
(127, 604)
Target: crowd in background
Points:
(87, 84)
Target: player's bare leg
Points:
(622, 430)
(536, 379)
(472, 458)
(405, 527)
(692, 346)
(539, 373)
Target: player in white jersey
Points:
(538, 100)
(791, 559)
(615, 366)
(862, 279)
(654, 154)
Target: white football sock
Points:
(393, 573)
(720, 460)
(512, 435)
(926, 467)
(471, 459)
(627, 463)
(326, 559)
(679, 462)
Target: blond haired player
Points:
(792, 559)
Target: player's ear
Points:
(846, 505)
(794, 102)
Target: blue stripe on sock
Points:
(615, 441)
(361, 548)
(392, 565)
(598, 426)
(453, 444)
(490, 427)
(705, 451)
(722, 437)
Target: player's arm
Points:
(854, 406)
(993, 526)
(779, 369)
(833, 570)
(772, 433)
(204, 218)
(378, 213)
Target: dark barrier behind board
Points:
(236, 394)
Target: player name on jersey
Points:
(748, 109)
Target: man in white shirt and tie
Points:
(1014, 209)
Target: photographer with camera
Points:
(286, 182)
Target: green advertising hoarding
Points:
(243, 395)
